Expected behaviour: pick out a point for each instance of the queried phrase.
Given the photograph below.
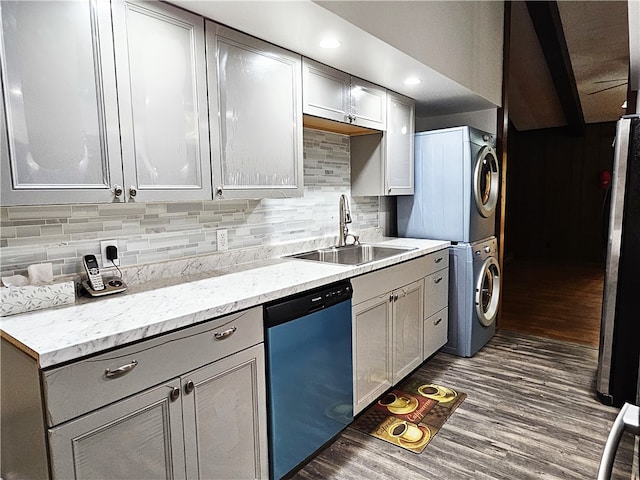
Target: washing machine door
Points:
(488, 291)
(486, 183)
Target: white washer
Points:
(474, 293)
(457, 181)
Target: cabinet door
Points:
(255, 108)
(225, 418)
(368, 104)
(399, 138)
(60, 103)
(162, 94)
(325, 92)
(371, 350)
(140, 437)
(408, 317)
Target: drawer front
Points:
(83, 386)
(437, 261)
(436, 292)
(435, 332)
(376, 283)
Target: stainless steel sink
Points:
(351, 254)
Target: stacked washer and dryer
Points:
(457, 181)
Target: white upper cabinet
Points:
(399, 139)
(382, 164)
(162, 92)
(334, 95)
(59, 100)
(255, 113)
(326, 92)
(368, 104)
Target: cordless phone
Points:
(93, 272)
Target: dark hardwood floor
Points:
(555, 300)
(531, 411)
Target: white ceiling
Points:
(384, 42)
(300, 25)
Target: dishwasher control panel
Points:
(305, 303)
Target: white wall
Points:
(486, 120)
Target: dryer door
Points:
(488, 291)
(486, 181)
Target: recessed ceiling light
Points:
(412, 81)
(330, 42)
(624, 105)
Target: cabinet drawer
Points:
(83, 386)
(437, 261)
(436, 292)
(435, 332)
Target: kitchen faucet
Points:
(345, 219)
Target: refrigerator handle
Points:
(628, 419)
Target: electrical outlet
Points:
(103, 250)
(222, 239)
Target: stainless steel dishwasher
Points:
(309, 373)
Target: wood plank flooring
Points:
(531, 413)
(551, 299)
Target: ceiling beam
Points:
(546, 22)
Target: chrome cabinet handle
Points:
(438, 260)
(117, 190)
(175, 393)
(437, 322)
(437, 280)
(120, 371)
(188, 388)
(132, 191)
(225, 334)
(219, 191)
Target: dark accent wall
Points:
(555, 206)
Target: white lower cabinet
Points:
(209, 423)
(408, 321)
(187, 404)
(225, 418)
(391, 331)
(140, 437)
(372, 331)
(436, 296)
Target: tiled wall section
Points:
(152, 232)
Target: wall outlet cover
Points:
(221, 235)
(103, 251)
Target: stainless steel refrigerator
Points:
(619, 355)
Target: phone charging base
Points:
(111, 285)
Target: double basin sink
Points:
(351, 254)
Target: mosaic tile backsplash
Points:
(153, 232)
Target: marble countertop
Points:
(64, 334)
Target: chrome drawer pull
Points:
(437, 322)
(225, 334)
(438, 260)
(437, 280)
(120, 371)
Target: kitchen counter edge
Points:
(56, 336)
